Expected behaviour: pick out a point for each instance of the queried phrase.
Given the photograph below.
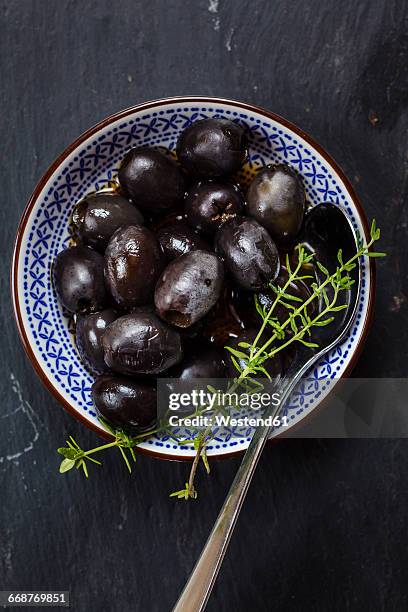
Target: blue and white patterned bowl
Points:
(90, 163)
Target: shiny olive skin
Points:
(243, 302)
(89, 331)
(273, 366)
(133, 263)
(170, 218)
(140, 343)
(79, 279)
(98, 216)
(222, 322)
(189, 287)
(151, 179)
(212, 147)
(298, 289)
(178, 239)
(208, 363)
(125, 403)
(210, 203)
(276, 198)
(192, 335)
(248, 251)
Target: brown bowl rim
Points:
(121, 115)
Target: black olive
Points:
(276, 198)
(210, 203)
(170, 218)
(140, 343)
(177, 239)
(244, 306)
(189, 287)
(249, 253)
(89, 331)
(98, 216)
(125, 403)
(191, 335)
(151, 179)
(133, 262)
(222, 322)
(298, 289)
(209, 363)
(78, 279)
(212, 147)
(273, 365)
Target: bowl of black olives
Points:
(143, 247)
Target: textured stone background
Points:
(324, 526)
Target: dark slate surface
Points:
(325, 523)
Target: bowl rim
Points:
(121, 115)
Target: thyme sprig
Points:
(75, 456)
(250, 358)
(298, 322)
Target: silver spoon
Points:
(327, 229)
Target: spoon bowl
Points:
(327, 230)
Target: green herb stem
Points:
(272, 308)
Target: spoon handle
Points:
(198, 588)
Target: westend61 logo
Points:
(200, 408)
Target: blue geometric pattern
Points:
(92, 166)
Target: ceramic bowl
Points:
(90, 163)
